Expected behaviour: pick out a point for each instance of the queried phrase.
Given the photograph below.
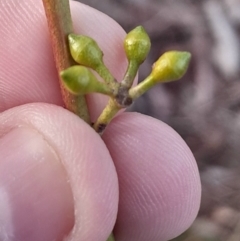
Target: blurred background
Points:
(204, 107)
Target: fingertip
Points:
(86, 162)
(29, 52)
(158, 178)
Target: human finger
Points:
(159, 182)
(54, 179)
(27, 67)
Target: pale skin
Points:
(56, 172)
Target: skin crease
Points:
(154, 178)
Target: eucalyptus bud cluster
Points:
(87, 54)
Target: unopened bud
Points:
(170, 66)
(79, 80)
(85, 50)
(137, 45)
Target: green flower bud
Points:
(137, 45)
(170, 66)
(85, 51)
(79, 80)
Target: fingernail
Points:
(36, 202)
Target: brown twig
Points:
(60, 25)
